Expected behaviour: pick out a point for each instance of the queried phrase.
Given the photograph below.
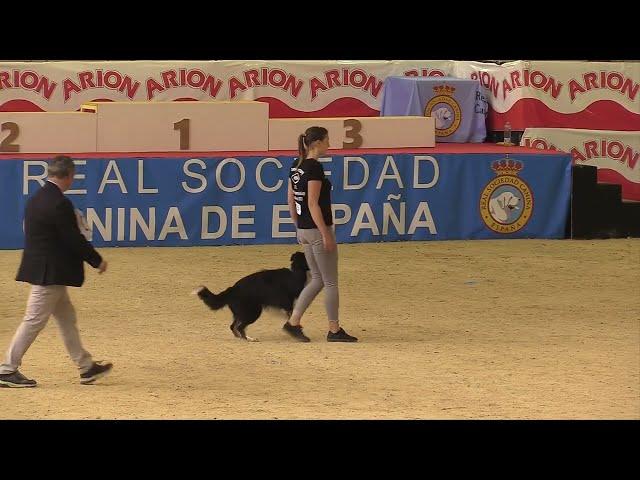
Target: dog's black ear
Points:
(299, 260)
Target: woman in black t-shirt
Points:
(309, 199)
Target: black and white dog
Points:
(277, 288)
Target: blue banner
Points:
(243, 200)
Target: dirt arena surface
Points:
(510, 329)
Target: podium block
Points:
(356, 132)
(47, 132)
(181, 126)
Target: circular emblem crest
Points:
(445, 110)
(506, 203)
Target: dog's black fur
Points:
(267, 288)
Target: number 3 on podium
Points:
(353, 133)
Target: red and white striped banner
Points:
(587, 95)
(293, 89)
(616, 154)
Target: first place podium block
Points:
(181, 126)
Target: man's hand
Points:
(102, 267)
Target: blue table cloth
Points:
(458, 105)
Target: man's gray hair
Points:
(61, 167)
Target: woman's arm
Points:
(314, 187)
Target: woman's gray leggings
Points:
(324, 273)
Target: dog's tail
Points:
(213, 301)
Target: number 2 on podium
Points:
(14, 131)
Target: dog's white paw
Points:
(198, 290)
(251, 339)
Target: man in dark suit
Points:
(52, 259)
